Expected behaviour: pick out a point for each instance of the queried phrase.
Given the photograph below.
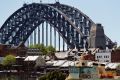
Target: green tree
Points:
(54, 75)
(9, 60)
(31, 46)
(51, 50)
(41, 47)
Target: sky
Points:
(106, 12)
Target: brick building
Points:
(89, 56)
(115, 56)
(19, 50)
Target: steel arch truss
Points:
(23, 22)
(81, 21)
(73, 26)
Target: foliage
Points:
(51, 50)
(43, 78)
(41, 47)
(10, 77)
(54, 75)
(9, 60)
(31, 46)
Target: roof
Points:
(59, 63)
(112, 65)
(68, 63)
(89, 63)
(46, 57)
(50, 62)
(31, 58)
(61, 55)
(19, 57)
(107, 65)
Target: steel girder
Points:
(82, 21)
(71, 24)
(24, 21)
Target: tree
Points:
(54, 75)
(51, 50)
(9, 60)
(31, 46)
(41, 47)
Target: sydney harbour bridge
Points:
(38, 23)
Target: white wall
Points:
(103, 57)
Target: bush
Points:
(54, 75)
(9, 60)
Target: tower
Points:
(97, 37)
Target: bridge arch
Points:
(73, 25)
(24, 21)
(86, 21)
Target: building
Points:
(81, 70)
(103, 56)
(35, 61)
(89, 56)
(19, 50)
(115, 56)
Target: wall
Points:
(13, 50)
(103, 56)
(115, 56)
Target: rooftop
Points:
(31, 58)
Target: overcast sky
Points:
(106, 12)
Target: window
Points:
(97, 56)
(107, 60)
(104, 56)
